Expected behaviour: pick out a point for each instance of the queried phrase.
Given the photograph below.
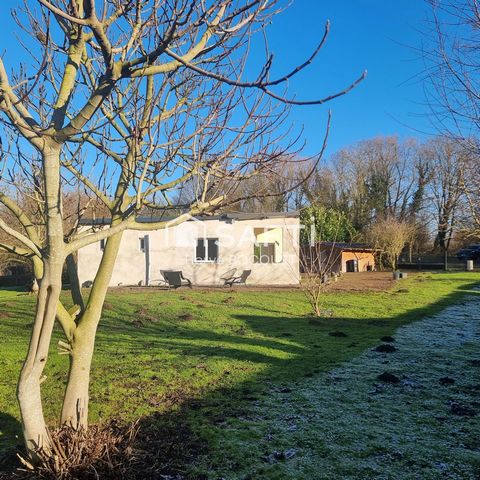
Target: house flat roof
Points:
(349, 246)
(224, 216)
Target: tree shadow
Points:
(174, 443)
(10, 443)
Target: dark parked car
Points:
(472, 252)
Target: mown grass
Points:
(186, 360)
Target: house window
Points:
(206, 250)
(268, 246)
(265, 253)
(141, 244)
(102, 244)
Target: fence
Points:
(434, 262)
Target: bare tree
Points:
(470, 183)
(322, 188)
(389, 236)
(133, 100)
(317, 265)
(276, 190)
(12, 203)
(381, 177)
(320, 257)
(448, 161)
(452, 86)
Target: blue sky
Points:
(378, 35)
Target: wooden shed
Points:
(341, 257)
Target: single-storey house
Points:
(204, 249)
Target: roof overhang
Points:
(224, 216)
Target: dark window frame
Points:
(206, 257)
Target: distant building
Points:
(204, 249)
(339, 257)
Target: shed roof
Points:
(352, 247)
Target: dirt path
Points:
(364, 282)
(348, 424)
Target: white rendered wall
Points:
(174, 249)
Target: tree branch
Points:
(21, 238)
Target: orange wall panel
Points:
(364, 259)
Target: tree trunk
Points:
(28, 390)
(76, 400)
(75, 286)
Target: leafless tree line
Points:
(431, 185)
(452, 88)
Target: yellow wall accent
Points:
(271, 235)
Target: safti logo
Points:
(187, 233)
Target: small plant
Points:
(317, 264)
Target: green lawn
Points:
(187, 360)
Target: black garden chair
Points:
(239, 280)
(175, 279)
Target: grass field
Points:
(187, 361)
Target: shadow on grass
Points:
(176, 442)
(10, 434)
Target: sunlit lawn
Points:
(206, 353)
